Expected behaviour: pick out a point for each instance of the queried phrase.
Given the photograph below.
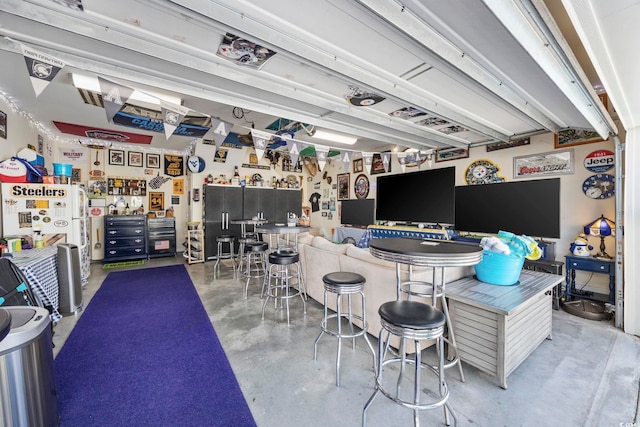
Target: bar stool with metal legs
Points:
(436, 292)
(415, 321)
(242, 241)
(225, 239)
(255, 263)
(284, 269)
(341, 284)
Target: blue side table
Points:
(578, 263)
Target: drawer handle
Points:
(138, 231)
(138, 240)
(138, 250)
(112, 232)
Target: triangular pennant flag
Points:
(260, 141)
(42, 67)
(114, 96)
(220, 130)
(294, 149)
(345, 158)
(172, 115)
(386, 160)
(402, 159)
(429, 156)
(368, 160)
(321, 155)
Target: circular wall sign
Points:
(600, 186)
(361, 186)
(600, 161)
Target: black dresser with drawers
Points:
(125, 238)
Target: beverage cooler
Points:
(161, 237)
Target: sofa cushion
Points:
(365, 255)
(324, 244)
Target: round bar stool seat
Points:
(221, 240)
(343, 283)
(283, 267)
(256, 262)
(418, 322)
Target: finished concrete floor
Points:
(587, 375)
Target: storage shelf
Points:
(194, 246)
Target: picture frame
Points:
(358, 165)
(572, 137)
(361, 186)
(134, 159)
(3, 125)
(76, 175)
(377, 164)
(543, 164)
(153, 161)
(116, 157)
(343, 186)
(453, 153)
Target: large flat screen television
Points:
(522, 207)
(359, 213)
(425, 196)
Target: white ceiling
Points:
(458, 60)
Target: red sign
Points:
(104, 134)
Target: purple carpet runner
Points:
(144, 353)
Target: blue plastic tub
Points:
(62, 169)
(499, 269)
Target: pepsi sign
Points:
(600, 161)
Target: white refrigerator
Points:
(58, 212)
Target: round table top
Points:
(249, 221)
(431, 253)
(281, 229)
(5, 323)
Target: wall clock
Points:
(482, 172)
(599, 186)
(361, 186)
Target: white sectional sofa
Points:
(319, 256)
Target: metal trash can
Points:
(27, 384)
(69, 279)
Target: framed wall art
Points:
(444, 154)
(135, 159)
(358, 165)
(377, 164)
(156, 201)
(543, 164)
(571, 137)
(116, 157)
(343, 186)
(153, 161)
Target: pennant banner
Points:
(402, 159)
(114, 96)
(294, 150)
(345, 158)
(368, 160)
(173, 165)
(321, 155)
(386, 160)
(172, 116)
(220, 130)
(42, 67)
(260, 141)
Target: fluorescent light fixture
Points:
(91, 83)
(334, 137)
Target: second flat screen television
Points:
(424, 196)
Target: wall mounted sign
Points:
(600, 186)
(361, 186)
(173, 165)
(551, 163)
(569, 137)
(599, 161)
(482, 172)
(509, 144)
(105, 134)
(156, 201)
(444, 154)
